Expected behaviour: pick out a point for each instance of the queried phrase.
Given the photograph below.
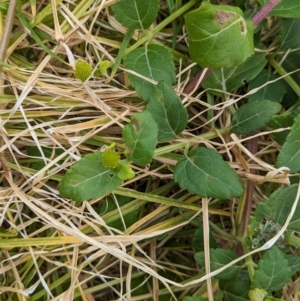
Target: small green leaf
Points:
(198, 241)
(290, 35)
(202, 171)
(168, 111)
(88, 179)
(209, 29)
(278, 206)
(278, 122)
(272, 272)
(253, 116)
(152, 61)
(273, 91)
(257, 294)
(285, 9)
(294, 262)
(233, 78)
(140, 136)
(110, 205)
(38, 163)
(219, 258)
(125, 172)
(290, 152)
(136, 14)
(236, 290)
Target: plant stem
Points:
(196, 140)
(7, 30)
(265, 10)
(287, 78)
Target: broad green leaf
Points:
(168, 111)
(110, 204)
(154, 62)
(290, 35)
(278, 122)
(272, 272)
(88, 179)
(198, 241)
(285, 9)
(219, 258)
(290, 152)
(294, 262)
(277, 208)
(136, 14)
(233, 78)
(236, 290)
(211, 27)
(273, 91)
(140, 136)
(253, 116)
(202, 171)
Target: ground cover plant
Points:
(150, 150)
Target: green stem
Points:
(287, 77)
(194, 141)
(7, 30)
(161, 25)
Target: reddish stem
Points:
(264, 11)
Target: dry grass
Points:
(59, 250)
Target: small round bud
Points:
(82, 70)
(110, 159)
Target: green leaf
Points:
(219, 258)
(168, 111)
(110, 205)
(236, 290)
(273, 91)
(140, 136)
(253, 116)
(278, 122)
(290, 35)
(88, 179)
(290, 152)
(231, 79)
(257, 294)
(294, 262)
(38, 163)
(202, 171)
(277, 208)
(198, 241)
(272, 272)
(136, 14)
(209, 29)
(285, 9)
(152, 61)
(125, 172)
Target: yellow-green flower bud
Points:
(110, 159)
(82, 70)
